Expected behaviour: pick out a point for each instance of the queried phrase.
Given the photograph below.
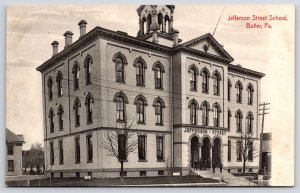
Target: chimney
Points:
(55, 47)
(82, 27)
(175, 37)
(68, 38)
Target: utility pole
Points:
(263, 113)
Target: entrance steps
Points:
(230, 179)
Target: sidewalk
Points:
(24, 177)
(230, 179)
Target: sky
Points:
(31, 29)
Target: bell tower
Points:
(156, 22)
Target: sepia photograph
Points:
(187, 95)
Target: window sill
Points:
(193, 90)
(77, 125)
(76, 89)
(90, 122)
(143, 160)
(159, 88)
(238, 160)
(250, 103)
(89, 161)
(59, 96)
(121, 81)
(141, 123)
(142, 85)
(239, 131)
(88, 83)
(250, 160)
(61, 129)
(52, 164)
(217, 94)
(77, 162)
(239, 102)
(120, 121)
(159, 124)
(205, 92)
(160, 160)
(61, 163)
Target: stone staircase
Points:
(226, 177)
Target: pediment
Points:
(214, 48)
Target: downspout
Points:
(172, 109)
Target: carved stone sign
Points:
(204, 131)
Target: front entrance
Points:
(205, 152)
(216, 152)
(194, 150)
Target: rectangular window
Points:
(89, 145)
(143, 173)
(10, 149)
(142, 147)
(11, 165)
(229, 151)
(250, 151)
(229, 92)
(51, 153)
(239, 150)
(61, 152)
(160, 172)
(160, 148)
(122, 147)
(77, 150)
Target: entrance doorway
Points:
(216, 151)
(205, 152)
(194, 150)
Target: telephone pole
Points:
(262, 112)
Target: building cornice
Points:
(94, 34)
(241, 70)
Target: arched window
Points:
(60, 112)
(75, 72)
(50, 84)
(193, 71)
(89, 111)
(120, 109)
(216, 111)
(121, 100)
(217, 80)
(193, 106)
(140, 102)
(149, 21)
(167, 25)
(158, 105)
(250, 118)
(160, 21)
(59, 78)
(205, 115)
(239, 118)
(120, 60)
(239, 89)
(250, 91)
(143, 26)
(158, 69)
(140, 65)
(88, 69)
(76, 107)
(205, 80)
(51, 122)
(229, 90)
(229, 119)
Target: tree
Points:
(120, 142)
(34, 157)
(246, 146)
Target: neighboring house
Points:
(190, 101)
(14, 153)
(267, 151)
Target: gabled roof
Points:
(212, 42)
(13, 138)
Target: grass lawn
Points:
(73, 182)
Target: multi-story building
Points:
(14, 153)
(188, 100)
